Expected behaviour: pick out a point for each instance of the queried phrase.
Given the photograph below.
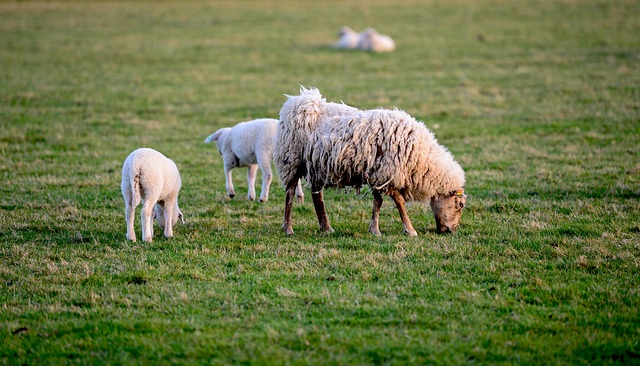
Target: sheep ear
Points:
(214, 136)
(461, 198)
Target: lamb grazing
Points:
(371, 40)
(348, 39)
(337, 146)
(249, 144)
(150, 176)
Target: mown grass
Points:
(538, 100)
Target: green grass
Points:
(538, 100)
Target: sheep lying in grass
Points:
(371, 40)
(348, 39)
(334, 145)
(150, 176)
(249, 144)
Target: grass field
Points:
(538, 100)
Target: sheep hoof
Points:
(231, 195)
(375, 232)
(263, 200)
(251, 198)
(300, 199)
(288, 231)
(327, 230)
(410, 233)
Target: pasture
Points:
(539, 101)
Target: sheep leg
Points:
(299, 192)
(151, 228)
(147, 224)
(130, 212)
(252, 172)
(267, 177)
(399, 201)
(229, 181)
(288, 202)
(168, 218)
(377, 203)
(318, 204)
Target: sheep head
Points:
(219, 137)
(447, 210)
(158, 214)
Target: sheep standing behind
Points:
(150, 176)
(335, 146)
(299, 116)
(348, 39)
(249, 144)
(371, 40)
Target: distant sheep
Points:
(249, 144)
(150, 176)
(335, 145)
(371, 40)
(348, 39)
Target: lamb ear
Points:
(214, 136)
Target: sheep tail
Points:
(135, 187)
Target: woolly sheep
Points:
(249, 144)
(150, 176)
(335, 145)
(348, 39)
(371, 40)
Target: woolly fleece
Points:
(386, 149)
(150, 176)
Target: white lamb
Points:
(335, 145)
(348, 39)
(249, 144)
(371, 40)
(150, 176)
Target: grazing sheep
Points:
(335, 146)
(371, 40)
(249, 144)
(150, 176)
(348, 39)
